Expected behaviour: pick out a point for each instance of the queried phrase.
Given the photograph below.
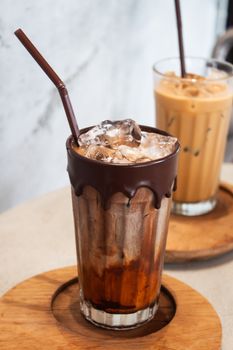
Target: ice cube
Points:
(132, 154)
(112, 134)
(155, 146)
(128, 129)
(100, 153)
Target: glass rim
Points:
(195, 58)
(125, 165)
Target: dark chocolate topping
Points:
(108, 178)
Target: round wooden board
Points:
(40, 313)
(202, 237)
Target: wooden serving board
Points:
(43, 313)
(202, 237)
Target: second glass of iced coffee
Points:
(122, 178)
(196, 109)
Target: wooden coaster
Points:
(202, 237)
(43, 313)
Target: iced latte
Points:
(122, 177)
(196, 109)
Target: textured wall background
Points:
(103, 50)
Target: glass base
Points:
(117, 321)
(194, 209)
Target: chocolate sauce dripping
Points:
(107, 178)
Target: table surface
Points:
(38, 236)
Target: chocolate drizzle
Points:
(108, 178)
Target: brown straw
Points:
(180, 37)
(55, 79)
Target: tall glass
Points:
(196, 109)
(121, 215)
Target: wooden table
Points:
(38, 236)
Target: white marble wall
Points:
(103, 50)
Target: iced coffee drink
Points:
(196, 109)
(122, 178)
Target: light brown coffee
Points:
(196, 112)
